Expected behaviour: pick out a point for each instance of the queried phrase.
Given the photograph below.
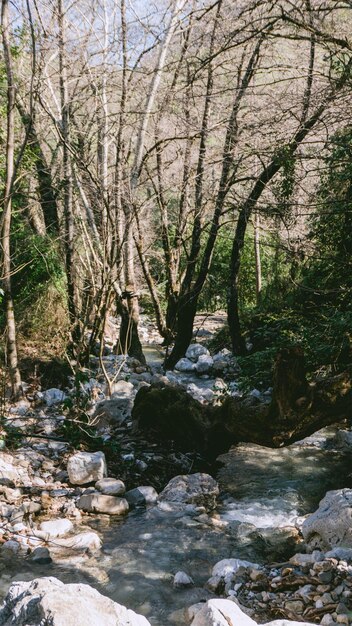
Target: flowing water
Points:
(263, 491)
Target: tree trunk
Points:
(258, 262)
(46, 191)
(129, 342)
(67, 185)
(12, 358)
(186, 312)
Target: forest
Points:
(175, 285)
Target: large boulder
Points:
(197, 489)
(48, 601)
(331, 524)
(86, 467)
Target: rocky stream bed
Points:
(149, 528)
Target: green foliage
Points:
(38, 281)
(328, 278)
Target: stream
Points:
(264, 492)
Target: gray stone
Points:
(11, 546)
(198, 489)
(111, 486)
(54, 396)
(196, 350)
(331, 524)
(204, 364)
(185, 365)
(343, 439)
(181, 579)
(112, 412)
(41, 556)
(86, 467)
(98, 503)
(122, 389)
(49, 601)
(141, 496)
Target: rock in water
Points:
(181, 580)
(86, 467)
(141, 496)
(330, 525)
(198, 489)
(97, 503)
(49, 601)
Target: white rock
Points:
(227, 613)
(57, 527)
(86, 467)
(49, 601)
(331, 524)
(54, 396)
(8, 472)
(111, 486)
(227, 567)
(98, 503)
(222, 613)
(185, 365)
(181, 579)
(196, 350)
(83, 542)
(204, 364)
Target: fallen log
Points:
(298, 409)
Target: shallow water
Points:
(261, 490)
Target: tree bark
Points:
(67, 184)
(12, 358)
(47, 196)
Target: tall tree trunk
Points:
(67, 183)
(131, 301)
(46, 191)
(258, 261)
(12, 358)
